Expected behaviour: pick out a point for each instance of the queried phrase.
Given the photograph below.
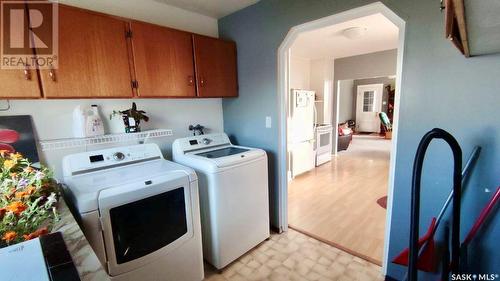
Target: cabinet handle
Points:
(202, 81)
(52, 75)
(190, 80)
(27, 74)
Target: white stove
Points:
(324, 136)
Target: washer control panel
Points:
(200, 142)
(109, 157)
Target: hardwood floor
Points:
(336, 202)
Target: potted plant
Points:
(131, 118)
(28, 198)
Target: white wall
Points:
(322, 71)
(153, 12)
(300, 73)
(347, 104)
(371, 65)
(53, 118)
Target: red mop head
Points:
(427, 259)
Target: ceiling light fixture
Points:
(354, 32)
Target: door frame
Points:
(380, 87)
(283, 90)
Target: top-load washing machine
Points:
(234, 199)
(139, 212)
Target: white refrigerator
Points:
(302, 119)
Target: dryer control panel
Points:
(109, 158)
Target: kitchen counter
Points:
(87, 264)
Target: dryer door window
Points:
(142, 227)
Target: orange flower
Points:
(21, 194)
(13, 175)
(9, 236)
(16, 207)
(35, 234)
(30, 190)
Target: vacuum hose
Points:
(435, 133)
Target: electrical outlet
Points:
(268, 121)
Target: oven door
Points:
(323, 141)
(144, 220)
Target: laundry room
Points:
(230, 140)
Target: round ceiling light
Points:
(354, 32)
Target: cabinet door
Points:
(93, 57)
(163, 60)
(18, 83)
(215, 64)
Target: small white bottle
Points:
(94, 126)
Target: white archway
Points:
(283, 90)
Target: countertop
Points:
(87, 264)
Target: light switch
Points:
(268, 121)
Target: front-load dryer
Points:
(139, 212)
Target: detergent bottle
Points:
(94, 125)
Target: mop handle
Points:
(482, 217)
(465, 171)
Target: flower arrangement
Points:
(28, 198)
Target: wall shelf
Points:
(58, 144)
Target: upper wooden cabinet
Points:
(163, 60)
(102, 56)
(215, 63)
(93, 57)
(18, 83)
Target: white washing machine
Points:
(139, 212)
(234, 199)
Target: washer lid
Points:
(222, 152)
(83, 190)
(225, 157)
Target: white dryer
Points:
(139, 212)
(234, 198)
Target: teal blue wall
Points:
(440, 88)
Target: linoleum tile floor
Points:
(295, 256)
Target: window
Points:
(368, 101)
